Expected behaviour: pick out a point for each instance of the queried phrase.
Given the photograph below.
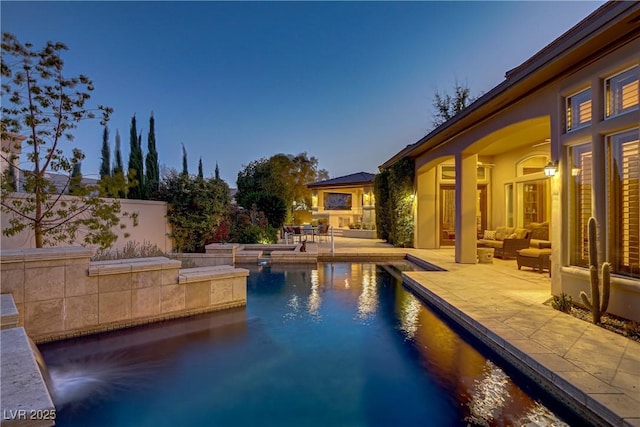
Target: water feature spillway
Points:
(97, 366)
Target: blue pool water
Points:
(334, 345)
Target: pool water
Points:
(342, 344)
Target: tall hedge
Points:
(394, 188)
(383, 204)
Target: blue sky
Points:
(351, 83)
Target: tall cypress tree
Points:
(76, 179)
(217, 172)
(200, 173)
(105, 166)
(185, 168)
(151, 162)
(118, 170)
(135, 172)
(144, 193)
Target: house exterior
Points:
(573, 106)
(345, 201)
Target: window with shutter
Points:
(624, 202)
(578, 114)
(581, 187)
(622, 92)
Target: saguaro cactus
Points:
(597, 307)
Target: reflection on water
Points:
(368, 298)
(488, 395)
(410, 316)
(340, 344)
(315, 300)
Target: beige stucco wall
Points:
(152, 227)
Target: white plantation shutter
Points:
(581, 190)
(584, 186)
(630, 205)
(625, 202)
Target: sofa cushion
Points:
(521, 233)
(489, 235)
(496, 244)
(540, 244)
(539, 230)
(503, 232)
(533, 252)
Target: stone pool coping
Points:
(24, 395)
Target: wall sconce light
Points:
(575, 171)
(551, 168)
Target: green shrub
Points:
(131, 250)
(562, 303)
(194, 207)
(242, 226)
(393, 190)
(273, 207)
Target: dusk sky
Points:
(350, 83)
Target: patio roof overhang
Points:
(359, 179)
(608, 27)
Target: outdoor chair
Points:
(286, 233)
(323, 232)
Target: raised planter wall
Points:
(60, 293)
(355, 233)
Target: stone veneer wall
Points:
(60, 293)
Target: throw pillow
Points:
(489, 234)
(513, 236)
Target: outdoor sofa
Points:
(506, 241)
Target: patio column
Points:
(557, 218)
(466, 194)
(426, 218)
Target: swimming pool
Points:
(342, 344)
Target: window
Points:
(531, 165)
(579, 110)
(534, 201)
(624, 202)
(580, 185)
(508, 199)
(622, 92)
(337, 201)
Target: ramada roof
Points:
(360, 178)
